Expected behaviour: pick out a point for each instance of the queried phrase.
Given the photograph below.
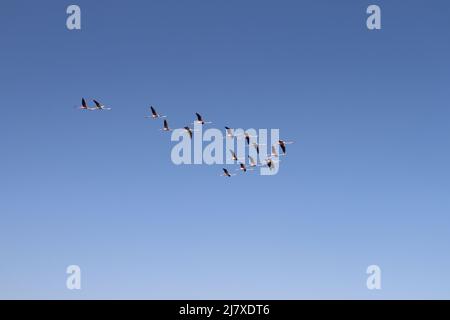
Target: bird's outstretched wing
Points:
(189, 131)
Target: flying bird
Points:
(230, 132)
(274, 152)
(234, 156)
(166, 126)
(226, 173)
(189, 131)
(252, 161)
(200, 119)
(247, 137)
(242, 167)
(84, 105)
(256, 145)
(155, 115)
(270, 164)
(283, 144)
(99, 106)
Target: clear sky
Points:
(366, 182)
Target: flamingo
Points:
(200, 119)
(99, 106)
(247, 137)
(283, 144)
(226, 173)
(252, 161)
(230, 132)
(243, 168)
(270, 164)
(155, 115)
(256, 145)
(234, 156)
(274, 152)
(189, 131)
(166, 126)
(84, 105)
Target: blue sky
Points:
(366, 182)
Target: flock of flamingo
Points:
(269, 161)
